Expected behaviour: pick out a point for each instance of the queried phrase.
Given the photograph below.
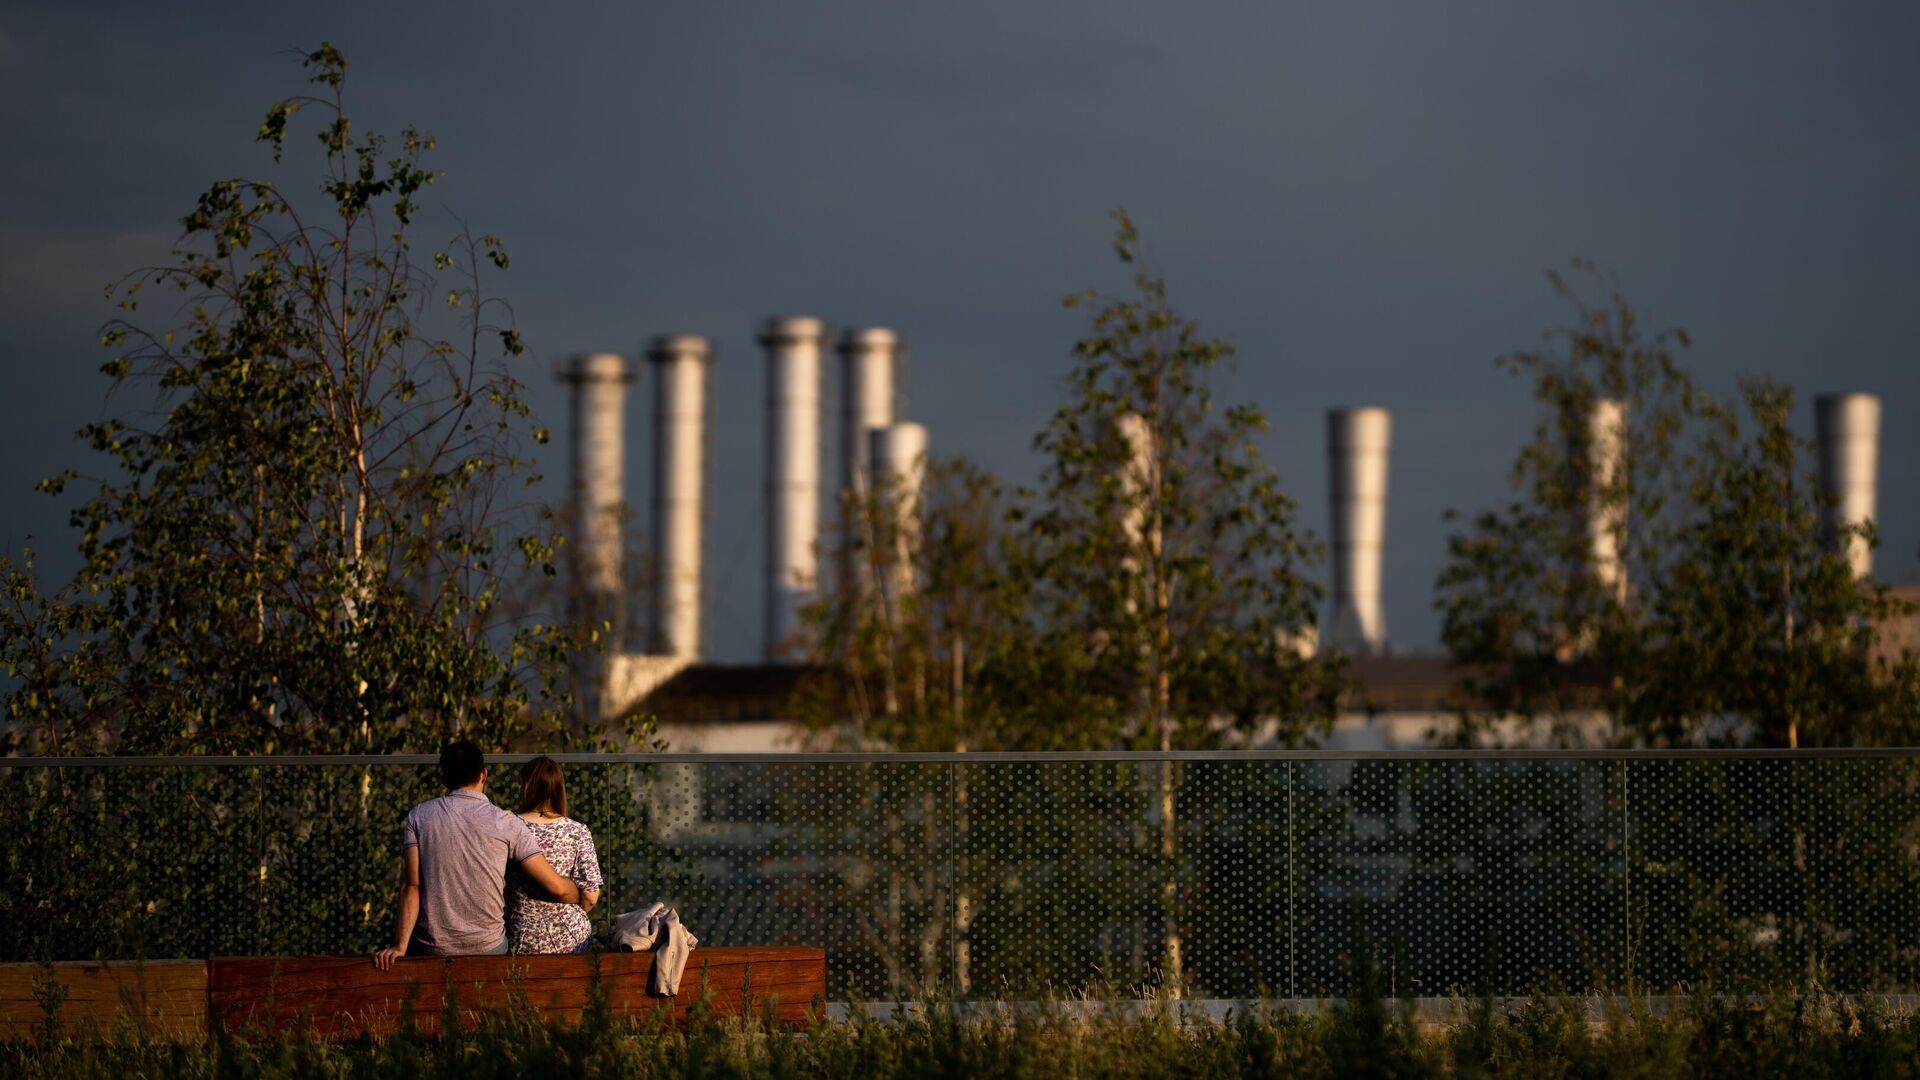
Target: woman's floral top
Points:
(538, 925)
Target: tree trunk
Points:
(1162, 690)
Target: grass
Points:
(1800, 1034)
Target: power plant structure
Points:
(793, 348)
(1358, 444)
(1847, 435)
(598, 383)
(880, 459)
(876, 454)
(680, 366)
(869, 371)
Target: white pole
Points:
(793, 475)
(1848, 435)
(679, 487)
(1358, 445)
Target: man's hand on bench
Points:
(409, 910)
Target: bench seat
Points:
(346, 996)
(159, 998)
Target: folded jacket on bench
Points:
(656, 928)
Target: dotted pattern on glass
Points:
(1244, 878)
(1755, 874)
(1454, 877)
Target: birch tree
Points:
(1735, 618)
(1168, 577)
(316, 481)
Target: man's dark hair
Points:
(460, 764)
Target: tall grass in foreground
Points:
(1794, 1034)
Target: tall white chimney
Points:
(866, 397)
(599, 395)
(899, 461)
(1607, 506)
(866, 405)
(793, 474)
(1847, 431)
(679, 487)
(1358, 442)
(599, 382)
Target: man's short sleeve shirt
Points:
(466, 844)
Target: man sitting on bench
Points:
(458, 847)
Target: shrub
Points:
(1803, 1034)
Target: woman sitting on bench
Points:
(534, 923)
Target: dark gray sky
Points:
(1361, 196)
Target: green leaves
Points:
(1138, 598)
(273, 130)
(496, 251)
(1167, 564)
(329, 68)
(1737, 620)
(298, 549)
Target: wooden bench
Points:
(160, 998)
(334, 996)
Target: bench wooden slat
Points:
(159, 997)
(345, 996)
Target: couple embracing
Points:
(457, 897)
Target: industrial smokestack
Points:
(1847, 429)
(866, 398)
(793, 473)
(866, 405)
(1607, 506)
(599, 382)
(679, 486)
(599, 393)
(1358, 441)
(899, 460)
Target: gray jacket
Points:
(656, 928)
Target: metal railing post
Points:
(953, 880)
(1293, 921)
(1626, 883)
